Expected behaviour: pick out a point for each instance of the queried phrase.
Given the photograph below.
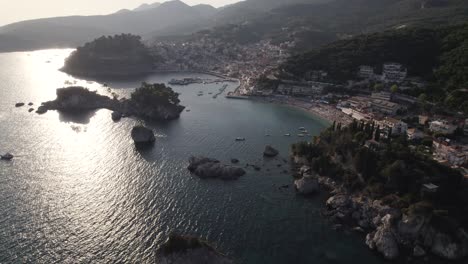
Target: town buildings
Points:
(442, 127)
(394, 73)
(447, 151)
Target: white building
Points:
(397, 127)
(446, 151)
(442, 126)
(394, 73)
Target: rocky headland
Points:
(399, 223)
(150, 101)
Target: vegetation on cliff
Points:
(388, 169)
(110, 56)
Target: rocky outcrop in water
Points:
(210, 168)
(189, 250)
(143, 136)
(19, 104)
(150, 101)
(270, 152)
(116, 116)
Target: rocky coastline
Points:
(394, 233)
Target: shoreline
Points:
(327, 113)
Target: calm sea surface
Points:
(79, 192)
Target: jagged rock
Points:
(418, 251)
(19, 104)
(305, 170)
(270, 152)
(234, 161)
(116, 116)
(189, 250)
(307, 185)
(210, 168)
(338, 201)
(142, 136)
(384, 240)
(410, 226)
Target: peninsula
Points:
(380, 185)
(113, 56)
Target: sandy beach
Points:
(327, 112)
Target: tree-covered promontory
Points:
(119, 55)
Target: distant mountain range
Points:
(318, 20)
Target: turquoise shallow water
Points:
(79, 191)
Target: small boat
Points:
(287, 135)
(188, 110)
(240, 139)
(300, 135)
(302, 128)
(7, 156)
(267, 135)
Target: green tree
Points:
(394, 88)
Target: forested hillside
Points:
(439, 55)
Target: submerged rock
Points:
(189, 250)
(142, 136)
(234, 161)
(210, 168)
(270, 152)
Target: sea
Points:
(78, 191)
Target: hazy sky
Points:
(17, 10)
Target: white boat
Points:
(240, 139)
(7, 156)
(302, 128)
(287, 135)
(300, 135)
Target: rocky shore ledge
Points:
(150, 101)
(189, 250)
(391, 231)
